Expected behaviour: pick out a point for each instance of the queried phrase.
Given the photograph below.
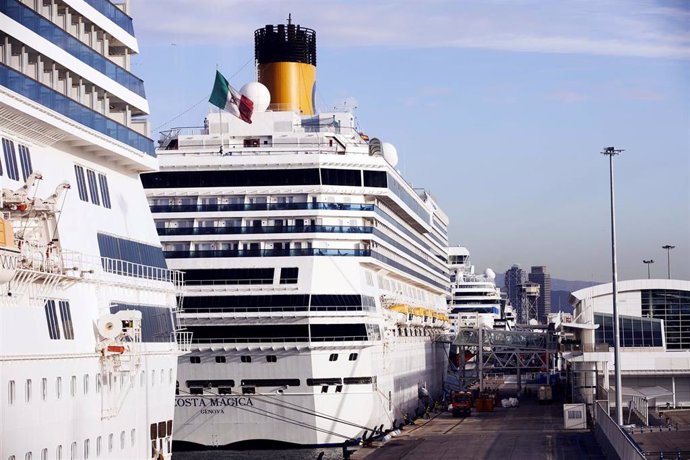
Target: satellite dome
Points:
(390, 154)
(490, 274)
(259, 95)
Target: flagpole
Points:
(220, 123)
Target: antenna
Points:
(289, 18)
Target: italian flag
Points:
(229, 99)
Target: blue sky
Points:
(500, 108)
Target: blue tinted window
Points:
(25, 161)
(52, 320)
(81, 183)
(93, 188)
(156, 322)
(10, 159)
(66, 317)
(105, 192)
(130, 251)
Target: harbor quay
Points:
(529, 431)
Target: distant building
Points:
(540, 276)
(514, 278)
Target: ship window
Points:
(73, 385)
(351, 177)
(44, 454)
(170, 375)
(248, 390)
(270, 382)
(122, 440)
(170, 427)
(27, 391)
(87, 446)
(98, 446)
(25, 161)
(81, 183)
(195, 359)
(375, 179)
(10, 159)
(196, 391)
(133, 436)
(153, 377)
(44, 388)
(58, 387)
(93, 188)
(246, 359)
(153, 431)
(28, 456)
(353, 357)
(58, 452)
(73, 451)
(51, 319)
(324, 381)
(288, 275)
(66, 317)
(357, 380)
(162, 430)
(110, 442)
(324, 389)
(220, 359)
(11, 392)
(333, 357)
(105, 191)
(98, 383)
(338, 388)
(251, 142)
(86, 384)
(271, 358)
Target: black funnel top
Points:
(285, 43)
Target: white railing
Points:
(612, 437)
(184, 341)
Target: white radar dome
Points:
(259, 95)
(390, 153)
(490, 274)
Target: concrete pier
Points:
(530, 431)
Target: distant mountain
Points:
(559, 302)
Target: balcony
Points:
(262, 207)
(112, 12)
(266, 253)
(263, 230)
(73, 110)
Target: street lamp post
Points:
(611, 151)
(648, 262)
(668, 248)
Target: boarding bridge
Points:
(492, 351)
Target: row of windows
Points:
(86, 453)
(285, 333)
(634, 331)
(673, 306)
(269, 358)
(73, 46)
(281, 302)
(93, 187)
(45, 95)
(156, 322)
(110, 382)
(288, 275)
(264, 177)
(117, 248)
(65, 319)
(11, 165)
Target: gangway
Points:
(481, 351)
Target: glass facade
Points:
(46, 29)
(113, 13)
(634, 332)
(673, 307)
(260, 206)
(53, 100)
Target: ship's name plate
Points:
(217, 403)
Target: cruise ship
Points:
(475, 300)
(315, 275)
(88, 349)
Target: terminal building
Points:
(654, 341)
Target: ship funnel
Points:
(286, 60)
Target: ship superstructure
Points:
(316, 276)
(475, 300)
(88, 349)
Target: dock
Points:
(530, 431)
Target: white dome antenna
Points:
(390, 153)
(259, 95)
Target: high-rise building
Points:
(539, 275)
(514, 277)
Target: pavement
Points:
(671, 441)
(530, 431)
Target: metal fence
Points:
(612, 438)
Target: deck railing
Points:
(613, 439)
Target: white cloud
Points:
(605, 27)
